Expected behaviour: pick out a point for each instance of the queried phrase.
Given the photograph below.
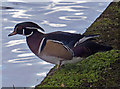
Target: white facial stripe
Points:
(39, 30)
(29, 34)
(40, 46)
(31, 28)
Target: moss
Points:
(91, 72)
(99, 70)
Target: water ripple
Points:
(43, 63)
(8, 27)
(19, 13)
(73, 8)
(29, 64)
(21, 60)
(79, 13)
(71, 31)
(15, 42)
(18, 50)
(15, 0)
(73, 17)
(43, 74)
(53, 24)
(25, 55)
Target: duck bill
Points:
(11, 34)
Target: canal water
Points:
(20, 67)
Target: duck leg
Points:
(59, 65)
(56, 68)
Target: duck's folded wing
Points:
(85, 38)
(69, 39)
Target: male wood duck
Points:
(57, 47)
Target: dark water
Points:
(20, 66)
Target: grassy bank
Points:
(99, 70)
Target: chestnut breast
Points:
(34, 42)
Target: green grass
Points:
(91, 72)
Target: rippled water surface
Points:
(20, 66)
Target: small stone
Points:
(62, 85)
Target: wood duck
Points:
(58, 46)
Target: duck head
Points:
(25, 28)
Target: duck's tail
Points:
(95, 47)
(88, 48)
(105, 48)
